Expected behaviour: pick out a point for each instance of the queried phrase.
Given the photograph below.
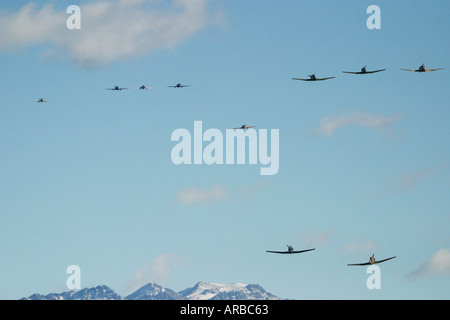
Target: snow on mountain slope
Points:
(218, 291)
(152, 291)
(96, 293)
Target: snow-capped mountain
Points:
(96, 293)
(153, 291)
(235, 291)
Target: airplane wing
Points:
(375, 71)
(359, 264)
(409, 70)
(368, 263)
(428, 70)
(384, 260)
(363, 72)
(320, 79)
(289, 252)
(301, 79)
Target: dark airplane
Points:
(363, 71)
(244, 127)
(290, 250)
(40, 100)
(371, 261)
(143, 87)
(116, 88)
(422, 69)
(313, 78)
(179, 85)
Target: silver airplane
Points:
(422, 69)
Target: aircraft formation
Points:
(312, 77)
(144, 87)
(372, 260)
(364, 71)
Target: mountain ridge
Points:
(153, 291)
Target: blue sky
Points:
(87, 178)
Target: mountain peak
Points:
(153, 291)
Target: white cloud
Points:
(328, 125)
(157, 272)
(110, 30)
(438, 264)
(192, 196)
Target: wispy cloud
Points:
(412, 179)
(158, 271)
(248, 192)
(329, 125)
(198, 196)
(359, 245)
(319, 239)
(437, 265)
(219, 193)
(110, 30)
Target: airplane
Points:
(244, 127)
(179, 85)
(313, 78)
(422, 69)
(290, 250)
(41, 100)
(371, 261)
(116, 88)
(364, 71)
(143, 87)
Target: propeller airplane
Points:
(116, 88)
(422, 69)
(179, 85)
(313, 77)
(364, 71)
(244, 127)
(290, 251)
(40, 100)
(371, 261)
(144, 87)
